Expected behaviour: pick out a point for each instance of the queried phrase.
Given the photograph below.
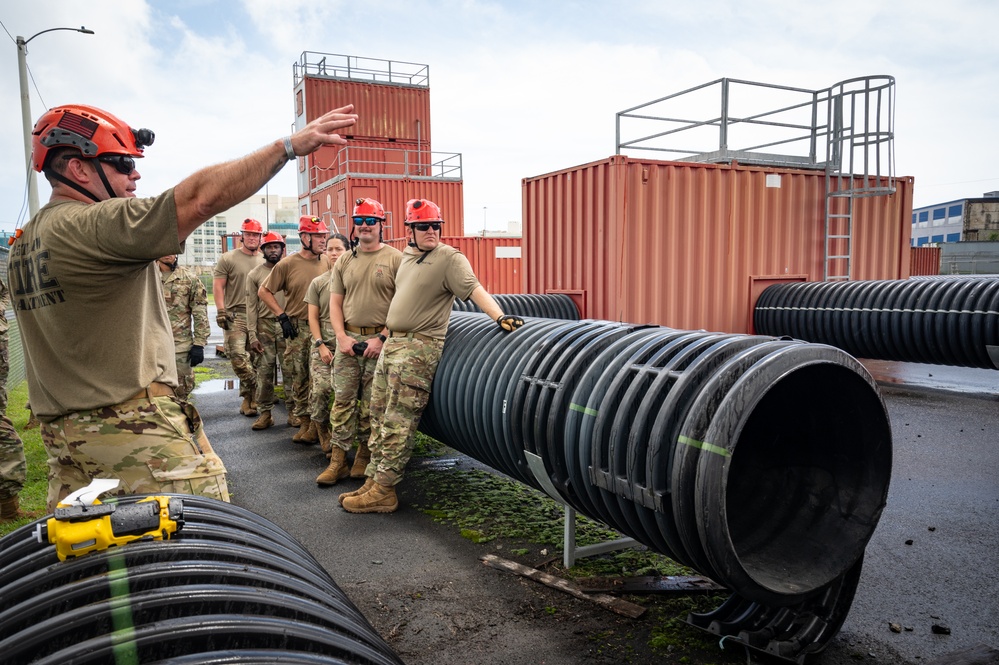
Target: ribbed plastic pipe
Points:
(941, 321)
(548, 306)
(763, 463)
(230, 587)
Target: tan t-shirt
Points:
(86, 292)
(367, 284)
(318, 294)
(233, 267)
(425, 291)
(256, 309)
(293, 274)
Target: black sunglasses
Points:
(369, 221)
(426, 226)
(122, 163)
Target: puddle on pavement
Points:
(216, 386)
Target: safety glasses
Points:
(426, 226)
(366, 221)
(122, 163)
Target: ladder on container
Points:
(838, 231)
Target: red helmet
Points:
(369, 208)
(251, 225)
(309, 224)
(422, 210)
(90, 130)
(272, 236)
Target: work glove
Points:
(509, 322)
(196, 355)
(359, 348)
(287, 327)
(222, 320)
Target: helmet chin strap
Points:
(413, 243)
(86, 192)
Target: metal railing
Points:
(355, 68)
(394, 162)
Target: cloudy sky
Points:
(518, 87)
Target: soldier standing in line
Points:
(317, 298)
(13, 468)
(229, 287)
(360, 292)
(187, 304)
(431, 275)
(264, 332)
(293, 274)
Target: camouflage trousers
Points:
(400, 391)
(321, 381)
(237, 349)
(185, 375)
(296, 356)
(13, 468)
(350, 416)
(151, 445)
(270, 337)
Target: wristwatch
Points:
(316, 344)
(382, 337)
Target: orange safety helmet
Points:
(88, 129)
(310, 224)
(252, 226)
(422, 210)
(369, 208)
(272, 236)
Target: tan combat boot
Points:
(337, 470)
(358, 492)
(301, 436)
(293, 420)
(325, 437)
(264, 421)
(246, 408)
(361, 459)
(9, 509)
(378, 499)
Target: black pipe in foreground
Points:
(763, 463)
(942, 321)
(230, 587)
(548, 306)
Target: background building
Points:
(954, 221)
(275, 212)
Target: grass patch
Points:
(35, 491)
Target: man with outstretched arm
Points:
(83, 277)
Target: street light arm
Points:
(82, 29)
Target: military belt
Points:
(155, 389)
(363, 330)
(413, 335)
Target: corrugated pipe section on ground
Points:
(550, 306)
(762, 463)
(229, 587)
(938, 321)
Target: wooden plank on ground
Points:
(613, 604)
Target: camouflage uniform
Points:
(296, 360)
(321, 378)
(400, 391)
(187, 302)
(233, 267)
(351, 410)
(13, 469)
(167, 450)
(238, 351)
(268, 333)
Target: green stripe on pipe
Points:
(583, 409)
(123, 636)
(706, 447)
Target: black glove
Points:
(196, 355)
(287, 327)
(509, 322)
(359, 348)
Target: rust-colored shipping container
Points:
(374, 158)
(691, 245)
(335, 202)
(497, 262)
(924, 261)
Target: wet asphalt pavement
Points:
(933, 560)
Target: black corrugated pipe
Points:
(763, 463)
(229, 587)
(549, 306)
(941, 322)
